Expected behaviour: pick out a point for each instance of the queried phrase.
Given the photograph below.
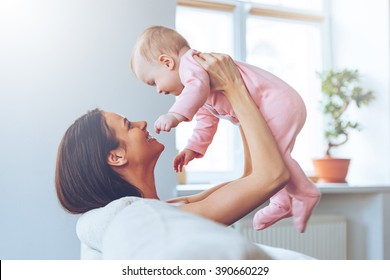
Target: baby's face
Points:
(166, 79)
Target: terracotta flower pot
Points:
(331, 170)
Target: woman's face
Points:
(140, 146)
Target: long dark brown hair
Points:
(83, 178)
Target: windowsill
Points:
(190, 189)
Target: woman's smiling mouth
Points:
(149, 137)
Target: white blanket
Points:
(136, 228)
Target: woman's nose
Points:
(143, 125)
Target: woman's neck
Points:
(143, 178)
(148, 186)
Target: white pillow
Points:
(152, 229)
(136, 228)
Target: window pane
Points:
(292, 51)
(310, 5)
(195, 25)
(206, 30)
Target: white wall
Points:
(59, 59)
(360, 39)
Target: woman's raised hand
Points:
(222, 70)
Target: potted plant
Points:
(341, 90)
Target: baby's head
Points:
(155, 58)
(157, 40)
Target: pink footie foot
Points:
(302, 207)
(269, 215)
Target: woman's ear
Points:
(167, 61)
(117, 157)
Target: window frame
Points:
(241, 10)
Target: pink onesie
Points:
(281, 106)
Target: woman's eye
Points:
(129, 125)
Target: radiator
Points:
(325, 236)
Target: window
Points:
(283, 37)
(219, 159)
(311, 5)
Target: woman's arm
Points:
(196, 197)
(230, 202)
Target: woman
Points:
(104, 157)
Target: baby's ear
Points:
(117, 157)
(167, 61)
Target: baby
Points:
(164, 59)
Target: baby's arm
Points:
(204, 131)
(196, 89)
(167, 122)
(201, 138)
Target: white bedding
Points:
(135, 228)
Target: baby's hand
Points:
(165, 123)
(183, 158)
